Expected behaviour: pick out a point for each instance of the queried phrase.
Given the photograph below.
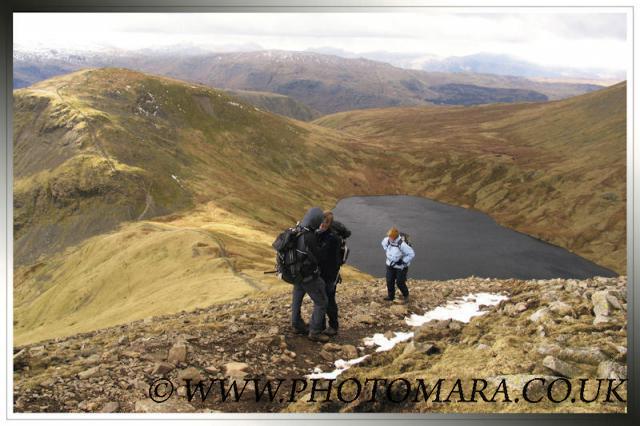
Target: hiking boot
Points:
(330, 331)
(405, 299)
(301, 330)
(318, 337)
(388, 299)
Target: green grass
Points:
(89, 162)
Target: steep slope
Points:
(99, 151)
(112, 369)
(326, 83)
(553, 170)
(122, 177)
(145, 269)
(98, 147)
(277, 104)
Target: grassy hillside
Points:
(554, 170)
(145, 269)
(98, 149)
(136, 194)
(277, 104)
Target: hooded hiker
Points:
(311, 282)
(331, 236)
(399, 255)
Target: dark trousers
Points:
(315, 288)
(399, 277)
(332, 306)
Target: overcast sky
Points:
(564, 39)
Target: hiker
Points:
(331, 236)
(399, 255)
(311, 283)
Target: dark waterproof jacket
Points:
(330, 244)
(340, 230)
(330, 258)
(308, 242)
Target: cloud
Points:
(562, 38)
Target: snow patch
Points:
(459, 310)
(341, 365)
(385, 344)
(462, 310)
(235, 104)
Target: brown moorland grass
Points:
(122, 177)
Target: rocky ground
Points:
(555, 328)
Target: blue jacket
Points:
(399, 254)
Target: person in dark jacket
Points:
(330, 243)
(312, 283)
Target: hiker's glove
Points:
(400, 263)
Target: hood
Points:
(313, 218)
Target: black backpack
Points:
(405, 238)
(342, 233)
(292, 264)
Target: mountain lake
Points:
(452, 242)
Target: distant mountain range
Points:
(323, 83)
(481, 63)
(487, 63)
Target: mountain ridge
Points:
(175, 157)
(326, 83)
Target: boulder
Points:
(46, 383)
(161, 368)
(612, 370)
(92, 372)
(331, 347)
(433, 330)
(557, 366)
(601, 306)
(541, 315)
(399, 310)
(592, 356)
(364, 319)
(177, 353)
(551, 349)
(425, 348)
(349, 352)
(456, 326)
(236, 369)
(37, 351)
(327, 356)
(110, 407)
(561, 309)
(189, 373)
(21, 359)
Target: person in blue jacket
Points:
(399, 256)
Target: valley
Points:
(136, 195)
